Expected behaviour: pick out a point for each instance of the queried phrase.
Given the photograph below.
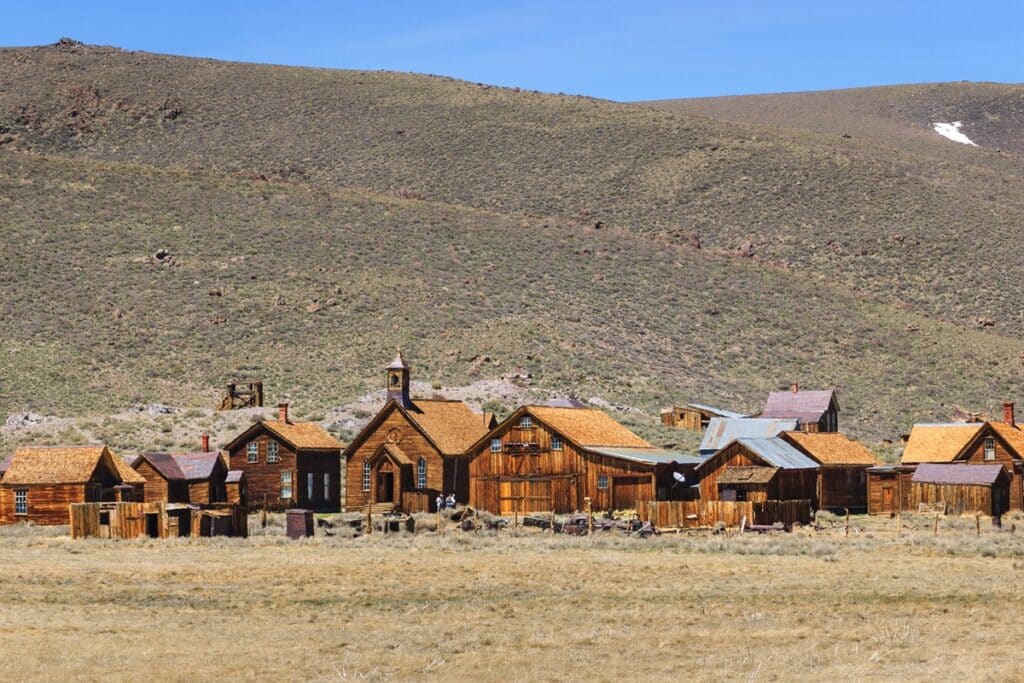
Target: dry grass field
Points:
(816, 605)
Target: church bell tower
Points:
(398, 381)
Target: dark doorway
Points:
(152, 525)
(385, 487)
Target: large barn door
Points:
(627, 491)
(524, 496)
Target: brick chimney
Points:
(795, 388)
(282, 412)
(205, 440)
(1008, 413)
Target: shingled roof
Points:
(587, 427)
(64, 465)
(803, 405)
(303, 434)
(451, 425)
(939, 442)
(832, 448)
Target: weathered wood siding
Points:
(441, 475)
(1003, 456)
(701, 513)
(841, 486)
(785, 485)
(536, 478)
(958, 499)
(47, 503)
(883, 493)
(264, 479)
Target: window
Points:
(272, 452)
(526, 422)
(253, 452)
(495, 445)
(602, 482)
(366, 475)
(556, 443)
(309, 485)
(286, 484)
(327, 485)
(421, 474)
(21, 501)
(990, 448)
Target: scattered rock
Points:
(23, 420)
(476, 363)
(912, 328)
(598, 225)
(215, 292)
(984, 322)
(745, 250)
(155, 409)
(117, 314)
(312, 308)
(67, 42)
(277, 300)
(694, 241)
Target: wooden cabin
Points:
(978, 443)
(412, 450)
(756, 470)
(695, 416)
(888, 489)
(961, 488)
(288, 464)
(842, 478)
(544, 458)
(816, 411)
(197, 477)
(722, 431)
(38, 484)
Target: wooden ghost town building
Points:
(560, 457)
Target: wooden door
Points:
(385, 487)
(628, 491)
(524, 496)
(888, 498)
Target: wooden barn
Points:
(38, 484)
(978, 443)
(695, 416)
(412, 450)
(816, 411)
(544, 458)
(198, 477)
(842, 479)
(757, 470)
(961, 488)
(288, 464)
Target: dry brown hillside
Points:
(318, 218)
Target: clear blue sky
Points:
(623, 51)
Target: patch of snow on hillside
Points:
(952, 132)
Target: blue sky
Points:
(623, 51)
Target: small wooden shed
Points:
(961, 488)
(842, 479)
(695, 416)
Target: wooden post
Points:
(369, 518)
(936, 523)
(439, 527)
(263, 516)
(552, 521)
(977, 523)
(587, 503)
(743, 524)
(846, 530)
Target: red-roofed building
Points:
(197, 477)
(815, 410)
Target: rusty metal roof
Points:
(234, 476)
(722, 430)
(183, 466)
(806, 406)
(649, 456)
(957, 474)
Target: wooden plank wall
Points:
(958, 498)
(688, 514)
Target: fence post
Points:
(936, 523)
(846, 530)
(369, 518)
(977, 523)
(590, 515)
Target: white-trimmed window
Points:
(366, 475)
(310, 485)
(286, 484)
(421, 474)
(602, 482)
(327, 485)
(21, 501)
(252, 452)
(272, 452)
(990, 448)
(556, 443)
(495, 445)
(526, 422)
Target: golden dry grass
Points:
(805, 605)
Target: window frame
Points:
(557, 443)
(327, 485)
(310, 485)
(367, 476)
(989, 448)
(23, 503)
(495, 445)
(287, 484)
(603, 482)
(252, 452)
(421, 473)
(276, 457)
(526, 422)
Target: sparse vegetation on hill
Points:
(169, 223)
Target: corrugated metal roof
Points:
(779, 453)
(650, 456)
(234, 476)
(723, 430)
(962, 474)
(720, 412)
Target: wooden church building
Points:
(412, 450)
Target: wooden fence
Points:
(682, 514)
(156, 520)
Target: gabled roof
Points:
(831, 448)
(234, 476)
(648, 456)
(722, 430)
(451, 426)
(1013, 435)
(182, 466)
(775, 452)
(396, 453)
(717, 412)
(803, 405)
(587, 426)
(65, 465)
(939, 442)
(398, 363)
(747, 475)
(957, 473)
(299, 435)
